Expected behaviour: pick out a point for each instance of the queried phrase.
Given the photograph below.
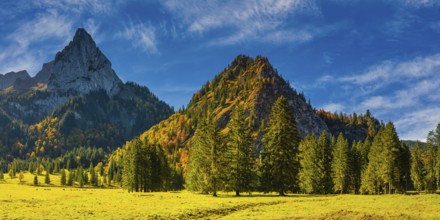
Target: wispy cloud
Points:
(389, 72)
(142, 36)
(263, 20)
(409, 87)
(19, 55)
(416, 125)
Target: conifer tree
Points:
(325, 157)
(93, 176)
(207, 161)
(47, 178)
(341, 165)
(429, 165)
(281, 145)
(63, 177)
(36, 180)
(417, 167)
(70, 178)
(370, 177)
(2, 177)
(240, 153)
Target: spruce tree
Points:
(429, 165)
(341, 165)
(70, 178)
(36, 180)
(2, 177)
(240, 153)
(47, 178)
(417, 167)
(281, 145)
(93, 176)
(207, 158)
(370, 177)
(63, 177)
(309, 181)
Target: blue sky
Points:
(346, 55)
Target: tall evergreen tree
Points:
(63, 177)
(429, 165)
(47, 178)
(93, 176)
(207, 158)
(417, 167)
(2, 177)
(370, 177)
(36, 180)
(70, 178)
(315, 160)
(341, 165)
(281, 145)
(308, 178)
(433, 140)
(241, 156)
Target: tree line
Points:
(316, 165)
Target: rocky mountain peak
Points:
(82, 67)
(9, 79)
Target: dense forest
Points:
(322, 164)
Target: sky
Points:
(345, 55)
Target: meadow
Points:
(23, 200)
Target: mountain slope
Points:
(10, 78)
(75, 100)
(251, 83)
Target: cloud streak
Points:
(141, 36)
(262, 20)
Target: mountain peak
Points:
(81, 35)
(82, 67)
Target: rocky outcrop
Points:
(81, 66)
(10, 78)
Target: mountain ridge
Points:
(75, 100)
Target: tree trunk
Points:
(214, 194)
(237, 193)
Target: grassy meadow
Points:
(22, 200)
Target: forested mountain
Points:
(354, 127)
(75, 100)
(252, 84)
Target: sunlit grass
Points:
(22, 200)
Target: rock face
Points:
(81, 66)
(9, 78)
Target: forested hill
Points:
(354, 127)
(252, 84)
(76, 100)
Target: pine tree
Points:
(325, 154)
(309, 181)
(417, 167)
(315, 160)
(93, 176)
(36, 180)
(429, 165)
(341, 165)
(207, 161)
(240, 153)
(47, 178)
(63, 177)
(370, 177)
(433, 140)
(70, 178)
(281, 146)
(2, 177)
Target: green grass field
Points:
(22, 200)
